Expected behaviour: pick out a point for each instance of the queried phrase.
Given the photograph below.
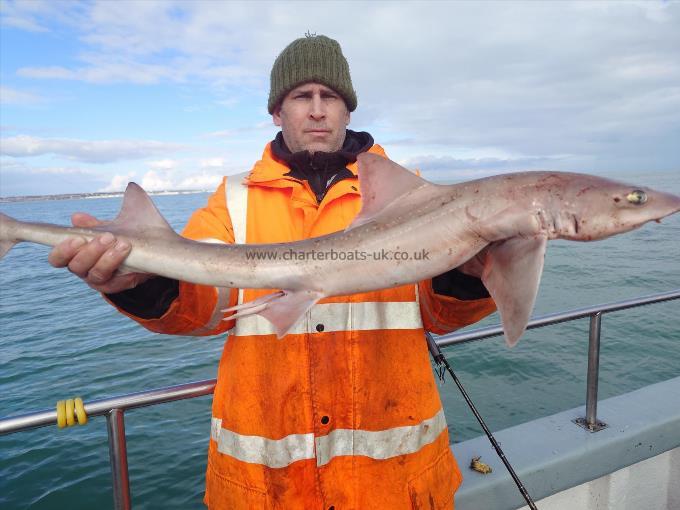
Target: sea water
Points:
(59, 339)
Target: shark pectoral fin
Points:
(5, 246)
(283, 309)
(6, 239)
(512, 272)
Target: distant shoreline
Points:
(105, 194)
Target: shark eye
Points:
(637, 197)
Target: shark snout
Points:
(664, 204)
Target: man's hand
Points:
(97, 261)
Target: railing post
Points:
(593, 368)
(590, 422)
(115, 422)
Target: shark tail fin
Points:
(283, 309)
(6, 241)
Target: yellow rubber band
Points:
(80, 411)
(61, 414)
(70, 419)
(70, 412)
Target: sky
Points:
(173, 94)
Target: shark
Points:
(500, 225)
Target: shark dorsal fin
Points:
(138, 216)
(382, 183)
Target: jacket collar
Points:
(301, 162)
(271, 172)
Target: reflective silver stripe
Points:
(236, 194)
(370, 315)
(223, 294)
(381, 444)
(273, 453)
(277, 453)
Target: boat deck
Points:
(632, 464)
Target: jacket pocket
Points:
(221, 493)
(433, 488)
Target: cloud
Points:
(17, 178)
(161, 42)
(201, 181)
(212, 163)
(223, 133)
(100, 151)
(152, 181)
(228, 102)
(23, 15)
(448, 168)
(585, 85)
(10, 96)
(13, 165)
(118, 182)
(106, 70)
(264, 126)
(61, 170)
(163, 164)
(40, 16)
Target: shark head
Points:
(595, 208)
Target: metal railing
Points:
(114, 408)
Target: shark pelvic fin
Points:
(382, 182)
(512, 272)
(283, 309)
(138, 216)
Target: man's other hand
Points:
(96, 262)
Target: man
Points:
(343, 413)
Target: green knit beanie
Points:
(314, 58)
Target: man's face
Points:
(312, 117)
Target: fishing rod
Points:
(440, 360)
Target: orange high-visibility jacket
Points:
(343, 413)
